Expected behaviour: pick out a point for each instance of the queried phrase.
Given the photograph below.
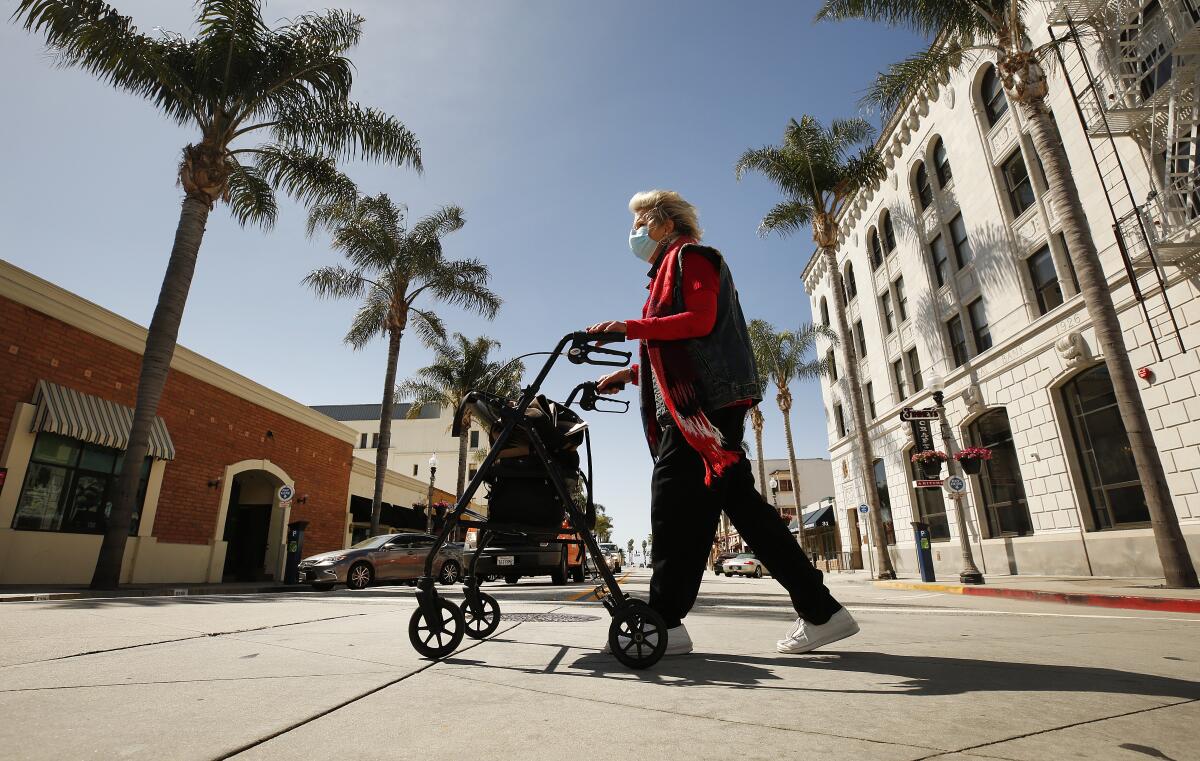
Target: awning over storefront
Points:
(813, 518)
(389, 515)
(72, 413)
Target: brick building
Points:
(222, 449)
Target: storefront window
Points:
(1114, 491)
(885, 501)
(1000, 479)
(931, 508)
(70, 487)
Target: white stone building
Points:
(816, 482)
(955, 267)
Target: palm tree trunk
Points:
(462, 460)
(756, 422)
(858, 420)
(1064, 196)
(156, 363)
(385, 428)
(785, 406)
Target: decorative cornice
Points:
(42, 296)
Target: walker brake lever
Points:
(591, 400)
(585, 351)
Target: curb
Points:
(155, 592)
(1129, 602)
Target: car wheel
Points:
(511, 579)
(728, 574)
(360, 576)
(559, 576)
(322, 587)
(449, 573)
(493, 577)
(758, 572)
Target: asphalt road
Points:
(333, 675)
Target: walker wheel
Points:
(437, 644)
(637, 635)
(483, 626)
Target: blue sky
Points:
(539, 117)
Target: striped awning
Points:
(72, 413)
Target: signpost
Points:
(956, 486)
(863, 510)
(285, 495)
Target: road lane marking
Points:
(953, 612)
(582, 595)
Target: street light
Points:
(429, 502)
(775, 494)
(969, 574)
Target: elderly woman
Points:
(698, 379)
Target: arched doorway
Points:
(254, 523)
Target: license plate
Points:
(505, 560)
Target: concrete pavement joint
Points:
(191, 681)
(1059, 728)
(701, 717)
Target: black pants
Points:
(684, 513)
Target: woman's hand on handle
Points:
(611, 326)
(615, 381)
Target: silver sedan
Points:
(388, 557)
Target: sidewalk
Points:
(29, 593)
(1095, 591)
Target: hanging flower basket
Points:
(930, 462)
(972, 458)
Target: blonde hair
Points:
(661, 205)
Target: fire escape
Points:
(1141, 81)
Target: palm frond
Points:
(439, 224)
(922, 70)
(464, 284)
(251, 197)
(306, 177)
(429, 327)
(927, 17)
(370, 321)
(785, 218)
(336, 282)
(349, 131)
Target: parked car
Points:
(744, 564)
(612, 556)
(511, 556)
(721, 558)
(387, 557)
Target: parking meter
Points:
(295, 551)
(924, 552)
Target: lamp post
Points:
(429, 502)
(969, 574)
(775, 494)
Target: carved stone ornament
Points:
(973, 398)
(950, 98)
(1073, 349)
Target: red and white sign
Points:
(928, 483)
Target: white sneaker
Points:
(805, 636)
(678, 642)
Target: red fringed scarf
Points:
(671, 364)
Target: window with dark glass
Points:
(824, 312)
(1062, 244)
(70, 486)
(1114, 491)
(931, 506)
(415, 469)
(979, 325)
(942, 163)
(474, 439)
(958, 341)
(941, 260)
(851, 286)
(375, 441)
(869, 394)
(924, 189)
(860, 338)
(840, 418)
(889, 233)
(885, 502)
(995, 105)
(963, 255)
(1000, 481)
(1016, 182)
(898, 375)
(1045, 280)
(1141, 44)
(901, 298)
(876, 249)
(914, 369)
(471, 473)
(889, 318)
(362, 444)
(831, 363)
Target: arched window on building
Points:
(824, 311)
(1000, 481)
(1114, 492)
(885, 501)
(876, 249)
(991, 92)
(848, 280)
(931, 506)
(889, 234)
(941, 163)
(921, 187)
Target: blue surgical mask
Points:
(642, 245)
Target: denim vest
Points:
(723, 358)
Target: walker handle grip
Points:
(584, 349)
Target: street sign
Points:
(922, 433)
(285, 495)
(956, 486)
(912, 413)
(864, 509)
(928, 483)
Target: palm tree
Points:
(782, 357)
(757, 422)
(629, 547)
(967, 27)
(604, 525)
(273, 112)
(462, 365)
(818, 170)
(391, 267)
